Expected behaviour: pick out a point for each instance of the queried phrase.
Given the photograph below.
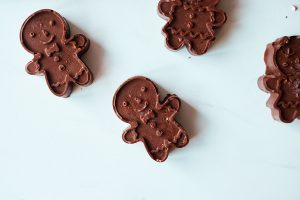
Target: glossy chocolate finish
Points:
(191, 23)
(282, 78)
(152, 122)
(46, 35)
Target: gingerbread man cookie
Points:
(152, 122)
(282, 78)
(191, 23)
(46, 35)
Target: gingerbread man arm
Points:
(219, 17)
(33, 67)
(166, 7)
(181, 139)
(173, 101)
(130, 135)
(269, 83)
(79, 42)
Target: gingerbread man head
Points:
(45, 34)
(282, 78)
(191, 23)
(152, 122)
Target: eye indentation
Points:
(159, 133)
(143, 89)
(52, 23)
(138, 100)
(32, 34)
(56, 58)
(125, 104)
(62, 67)
(152, 124)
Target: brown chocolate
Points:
(282, 78)
(46, 35)
(152, 122)
(191, 23)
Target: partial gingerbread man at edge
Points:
(191, 23)
(282, 78)
(152, 122)
(46, 35)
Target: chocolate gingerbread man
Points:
(46, 35)
(282, 78)
(191, 23)
(152, 122)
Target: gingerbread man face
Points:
(45, 34)
(282, 78)
(152, 122)
(191, 23)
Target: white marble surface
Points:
(59, 149)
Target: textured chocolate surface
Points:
(191, 23)
(282, 78)
(152, 122)
(46, 35)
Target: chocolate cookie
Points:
(46, 35)
(191, 23)
(152, 122)
(282, 78)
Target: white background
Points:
(53, 148)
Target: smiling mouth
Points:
(48, 41)
(143, 108)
